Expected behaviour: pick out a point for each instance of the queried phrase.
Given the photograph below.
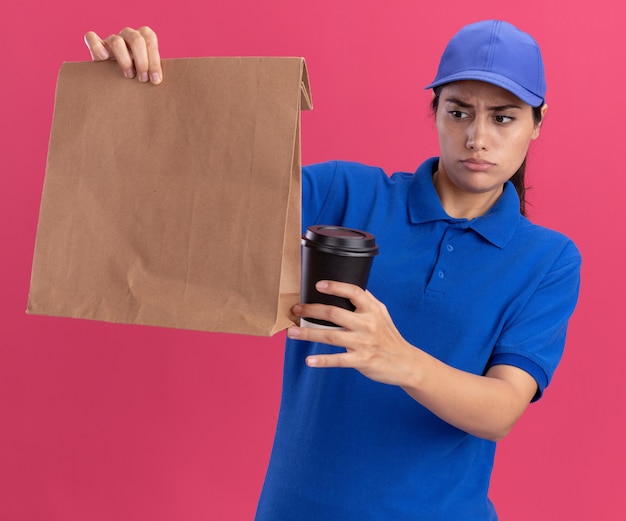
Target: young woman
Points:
(396, 416)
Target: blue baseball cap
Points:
(495, 52)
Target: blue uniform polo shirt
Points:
(473, 293)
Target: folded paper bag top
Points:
(178, 205)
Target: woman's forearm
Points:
(485, 406)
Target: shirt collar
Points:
(497, 225)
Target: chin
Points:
(476, 184)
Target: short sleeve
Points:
(534, 340)
(333, 191)
(317, 180)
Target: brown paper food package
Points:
(178, 205)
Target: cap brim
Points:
(495, 79)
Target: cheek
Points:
(513, 155)
(521, 146)
(515, 146)
(438, 126)
(445, 134)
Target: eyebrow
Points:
(495, 108)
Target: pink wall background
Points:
(102, 422)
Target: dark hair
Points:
(518, 178)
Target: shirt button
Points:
(441, 274)
(449, 247)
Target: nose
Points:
(477, 135)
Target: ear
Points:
(537, 128)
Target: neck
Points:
(461, 204)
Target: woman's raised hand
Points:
(135, 50)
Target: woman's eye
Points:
(503, 119)
(458, 114)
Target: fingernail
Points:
(312, 361)
(322, 284)
(297, 309)
(293, 332)
(143, 77)
(103, 54)
(156, 78)
(129, 73)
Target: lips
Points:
(477, 165)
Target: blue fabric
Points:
(495, 52)
(493, 290)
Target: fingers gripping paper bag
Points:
(178, 205)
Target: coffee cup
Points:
(334, 253)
